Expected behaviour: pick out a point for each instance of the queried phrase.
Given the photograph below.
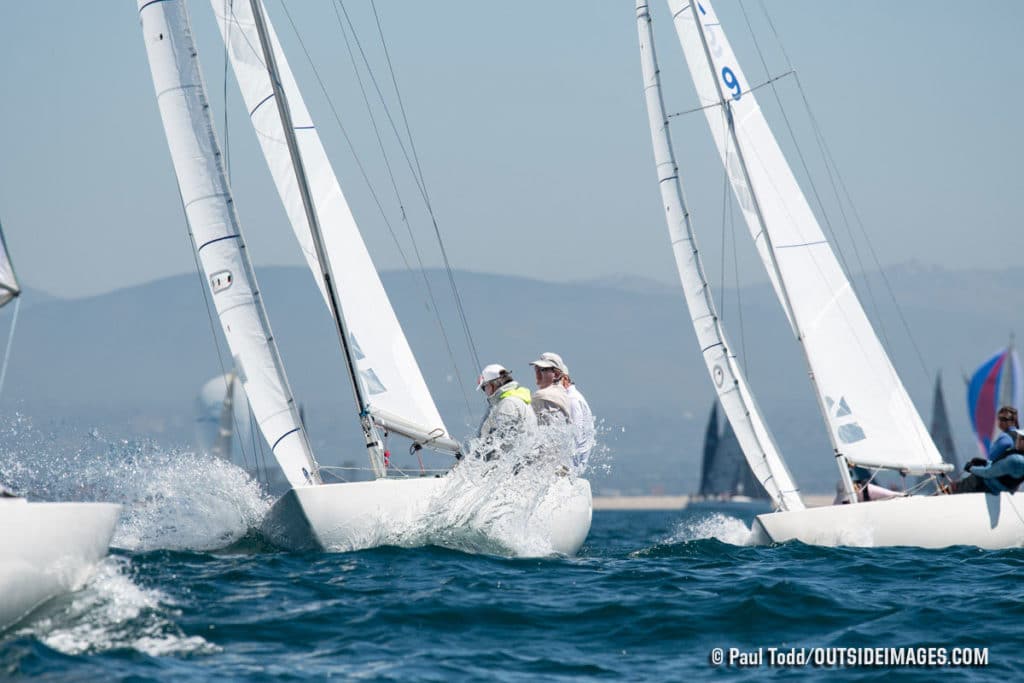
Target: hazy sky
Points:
(531, 129)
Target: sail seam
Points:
(177, 87)
(215, 195)
(804, 244)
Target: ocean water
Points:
(193, 593)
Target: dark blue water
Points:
(649, 597)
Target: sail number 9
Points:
(731, 82)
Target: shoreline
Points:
(678, 502)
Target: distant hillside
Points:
(130, 362)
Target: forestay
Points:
(730, 385)
(9, 287)
(217, 235)
(392, 383)
(870, 416)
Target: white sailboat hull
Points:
(359, 515)
(977, 519)
(47, 549)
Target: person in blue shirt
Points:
(1006, 471)
(1003, 473)
(1002, 444)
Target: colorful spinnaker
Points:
(996, 383)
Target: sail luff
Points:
(866, 408)
(730, 385)
(388, 376)
(217, 236)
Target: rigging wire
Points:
(373, 192)
(227, 130)
(423, 183)
(832, 166)
(419, 181)
(398, 197)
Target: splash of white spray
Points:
(173, 499)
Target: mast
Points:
(755, 440)
(373, 443)
(844, 470)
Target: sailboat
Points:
(941, 431)
(218, 416)
(868, 415)
(997, 382)
(391, 396)
(46, 549)
(727, 484)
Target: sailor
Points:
(1007, 422)
(509, 418)
(1004, 473)
(582, 421)
(550, 400)
(864, 489)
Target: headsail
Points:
(9, 287)
(392, 384)
(997, 382)
(870, 417)
(217, 236)
(730, 385)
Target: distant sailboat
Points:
(46, 549)
(997, 382)
(870, 419)
(390, 394)
(220, 413)
(727, 484)
(941, 431)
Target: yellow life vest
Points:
(522, 393)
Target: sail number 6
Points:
(731, 82)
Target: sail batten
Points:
(387, 374)
(738, 403)
(217, 237)
(868, 413)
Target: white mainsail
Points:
(392, 385)
(9, 287)
(755, 440)
(217, 236)
(871, 419)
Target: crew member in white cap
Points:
(510, 417)
(550, 400)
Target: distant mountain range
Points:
(130, 362)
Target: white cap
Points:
(489, 374)
(551, 360)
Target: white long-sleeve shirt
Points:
(583, 427)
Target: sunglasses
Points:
(1006, 418)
